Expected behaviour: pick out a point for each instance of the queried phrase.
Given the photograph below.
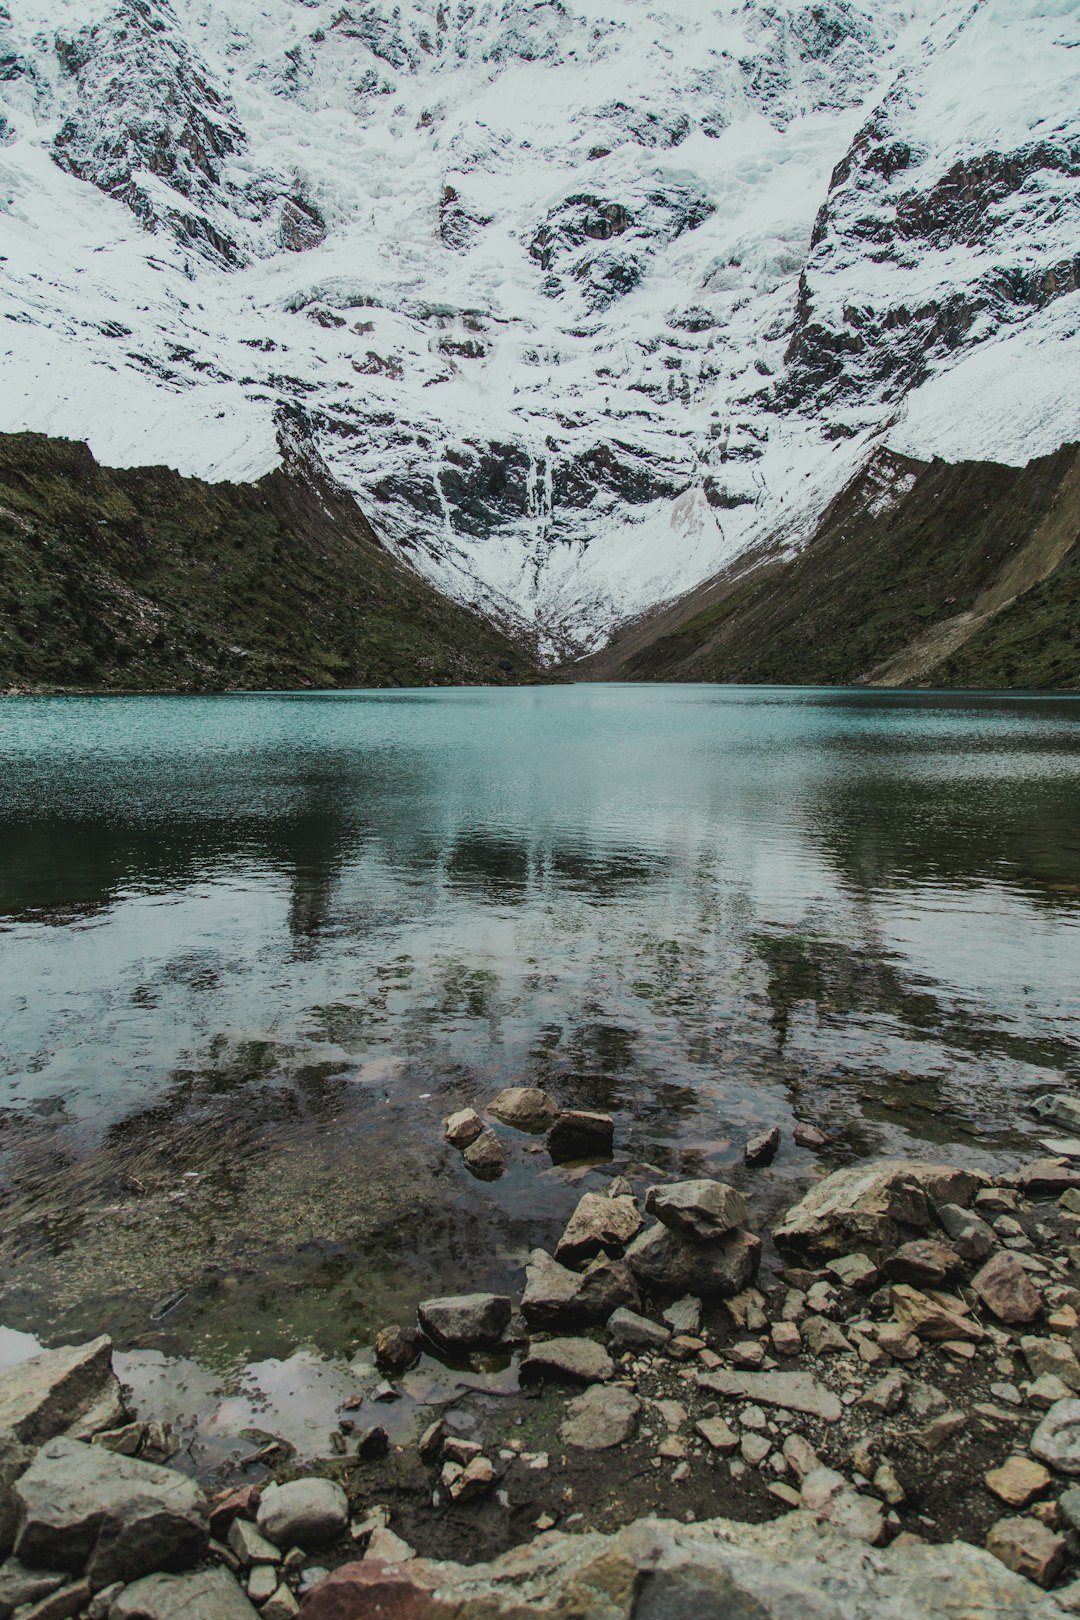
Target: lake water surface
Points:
(253, 949)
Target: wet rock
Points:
(1028, 1547)
(599, 1224)
(463, 1127)
(1058, 1108)
(577, 1134)
(396, 1348)
(485, 1157)
(1006, 1289)
(811, 1136)
(629, 1331)
(555, 1296)
(853, 1271)
(373, 1443)
(661, 1260)
(762, 1148)
(684, 1315)
(209, 1592)
(794, 1391)
(929, 1319)
(699, 1211)
(1056, 1441)
(109, 1517)
(579, 1361)
(604, 1416)
(303, 1513)
(525, 1107)
(925, 1262)
(970, 1236)
(872, 1207)
(1018, 1481)
(465, 1321)
(717, 1435)
(1051, 1356)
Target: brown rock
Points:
(463, 1127)
(396, 1348)
(1018, 1480)
(526, 1107)
(872, 1208)
(390, 1591)
(810, 1136)
(577, 1134)
(762, 1148)
(1028, 1547)
(485, 1157)
(599, 1224)
(1006, 1289)
(924, 1261)
(929, 1319)
(241, 1504)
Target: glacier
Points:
(581, 299)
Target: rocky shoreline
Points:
(876, 1407)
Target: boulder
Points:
(794, 1391)
(303, 1513)
(662, 1261)
(396, 1348)
(603, 1417)
(1006, 1289)
(762, 1148)
(463, 1127)
(466, 1321)
(112, 1518)
(873, 1207)
(485, 1157)
(599, 1225)
(574, 1361)
(697, 1210)
(1028, 1547)
(71, 1391)
(525, 1107)
(1058, 1108)
(1056, 1441)
(629, 1331)
(209, 1594)
(577, 1134)
(555, 1296)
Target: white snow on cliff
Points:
(580, 297)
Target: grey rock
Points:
(924, 1261)
(303, 1513)
(662, 1261)
(463, 1127)
(600, 1224)
(1056, 1441)
(555, 1296)
(762, 1148)
(1069, 1503)
(71, 1391)
(209, 1594)
(1051, 1356)
(794, 1391)
(262, 1583)
(281, 1605)
(698, 1210)
(684, 1315)
(466, 1321)
(109, 1517)
(19, 1585)
(250, 1545)
(1006, 1289)
(603, 1417)
(629, 1331)
(485, 1157)
(576, 1361)
(873, 1207)
(526, 1107)
(577, 1134)
(971, 1237)
(1058, 1108)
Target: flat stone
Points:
(209, 1594)
(1056, 1441)
(463, 1127)
(698, 1211)
(1028, 1547)
(71, 1391)
(485, 1157)
(763, 1147)
(603, 1417)
(571, 1360)
(794, 1391)
(872, 1208)
(1006, 1289)
(629, 1331)
(684, 1315)
(303, 1513)
(465, 1321)
(1018, 1481)
(1046, 1390)
(525, 1107)
(1051, 1356)
(262, 1581)
(718, 1435)
(1048, 1177)
(660, 1260)
(853, 1271)
(92, 1512)
(599, 1225)
(1058, 1108)
(578, 1134)
(924, 1261)
(555, 1296)
(928, 1319)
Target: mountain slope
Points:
(145, 580)
(927, 574)
(583, 299)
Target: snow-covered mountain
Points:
(581, 298)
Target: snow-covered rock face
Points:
(580, 297)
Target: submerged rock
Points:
(466, 1321)
(88, 1510)
(577, 1134)
(526, 1107)
(762, 1148)
(697, 1210)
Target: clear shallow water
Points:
(254, 948)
